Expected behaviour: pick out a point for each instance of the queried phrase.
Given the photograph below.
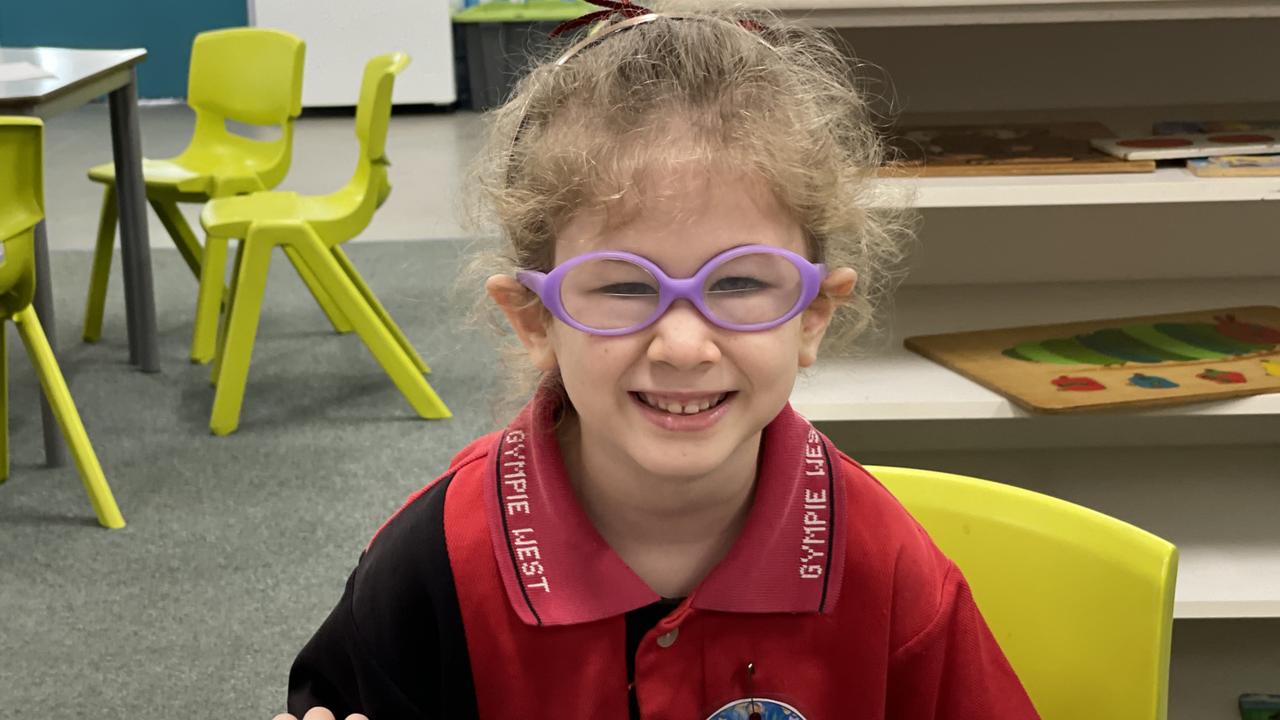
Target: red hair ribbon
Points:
(611, 8)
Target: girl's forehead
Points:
(682, 220)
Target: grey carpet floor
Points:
(236, 547)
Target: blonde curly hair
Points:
(736, 89)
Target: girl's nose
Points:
(683, 338)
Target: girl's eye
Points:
(627, 289)
(737, 284)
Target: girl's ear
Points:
(836, 289)
(527, 317)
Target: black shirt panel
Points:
(394, 646)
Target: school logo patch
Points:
(756, 709)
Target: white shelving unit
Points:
(1011, 251)
(893, 13)
(1165, 185)
(897, 384)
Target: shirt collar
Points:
(558, 570)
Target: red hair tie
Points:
(611, 8)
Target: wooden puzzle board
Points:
(1136, 361)
(1009, 149)
(1192, 145)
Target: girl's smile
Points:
(683, 412)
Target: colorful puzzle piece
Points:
(1246, 332)
(1226, 377)
(1151, 382)
(1078, 384)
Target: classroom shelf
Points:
(896, 13)
(1228, 582)
(897, 384)
(1222, 522)
(1165, 185)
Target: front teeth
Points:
(677, 408)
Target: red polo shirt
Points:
(833, 603)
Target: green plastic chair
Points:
(21, 208)
(1081, 603)
(249, 75)
(310, 230)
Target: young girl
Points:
(657, 534)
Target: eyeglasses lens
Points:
(609, 294)
(752, 289)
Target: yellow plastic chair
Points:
(249, 75)
(21, 207)
(309, 229)
(1081, 603)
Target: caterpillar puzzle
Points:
(1150, 360)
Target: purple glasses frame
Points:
(547, 287)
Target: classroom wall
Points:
(164, 27)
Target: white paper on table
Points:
(16, 71)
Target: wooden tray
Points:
(1137, 361)
(1236, 166)
(1009, 149)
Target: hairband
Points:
(627, 10)
(611, 8)
(632, 16)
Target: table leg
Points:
(55, 452)
(135, 247)
(118, 150)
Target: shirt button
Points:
(668, 639)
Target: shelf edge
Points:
(1225, 609)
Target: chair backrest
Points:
(252, 76)
(21, 207)
(369, 186)
(373, 110)
(1081, 603)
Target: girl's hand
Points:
(318, 713)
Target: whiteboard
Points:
(342, 35)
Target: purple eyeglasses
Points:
(746, 288)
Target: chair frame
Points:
(18, 271)
(312, 245)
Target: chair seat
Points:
(216, 176)
(231, 217)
